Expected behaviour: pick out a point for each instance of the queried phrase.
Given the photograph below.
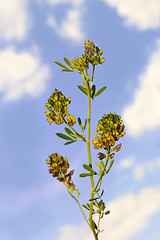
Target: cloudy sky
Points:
(34, 34)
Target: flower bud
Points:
(112, 155)
(117, 148)
(101, 155)
(71, 120)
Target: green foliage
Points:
(84, 90)
(65, 69)
(87, 167)
(110, 165)
(68, 62)
(69, 132)
(61, 135)
(107, 212)
(86, 174)
(99, 91)
(93, 90)
(67, 143)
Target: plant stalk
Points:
(89, 159)
(102, 174)
(79, 207)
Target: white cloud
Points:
(130, 214)
(144, 14)
(21, 73)
(73, 2)
(126, 163)
(70, 232)
(140, 171)
(158, 162)
(71, 26)
(143, 114)
(14, 20)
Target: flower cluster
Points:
(104, 142)
(58, 166)
(57, 107)
(91, 55)
(80, 63)
(110, 129)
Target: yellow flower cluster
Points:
(110, 128)
(92, 54)
(80, 63)
(58, 166)
(104, 142)
(112, 125)
(57, 107)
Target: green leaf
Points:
(68, 62)
(100, 91)
(84, 90)
(86, 207)
(85, 83)
(110, 165)
(61, 65)
(93, 91)
(67, 70)
(96, 203)
(85, 123)
(98, 164)
(61, 135)
(107, 212)
(95, 225)
(94, 198)
(69, 132)
(67, 143)
(80, 123)
(102, 163)
(89, 169)
(102, 193)
(85, 174)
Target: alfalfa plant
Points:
(110, 129)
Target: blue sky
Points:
(34, 34)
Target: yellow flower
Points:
(111, 141)
(104, 142)
(58, 119)
(71, 120)
(97, 143)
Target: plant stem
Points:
(89, 159)
(102, 174)
(98, 222)
(79, 207)
(77, 134)
(92, 75)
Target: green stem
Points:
(89, 160)
(98, 222)
(79, 207)
(93, 73)
(92, 76)
(102, 174)
(77, 134)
